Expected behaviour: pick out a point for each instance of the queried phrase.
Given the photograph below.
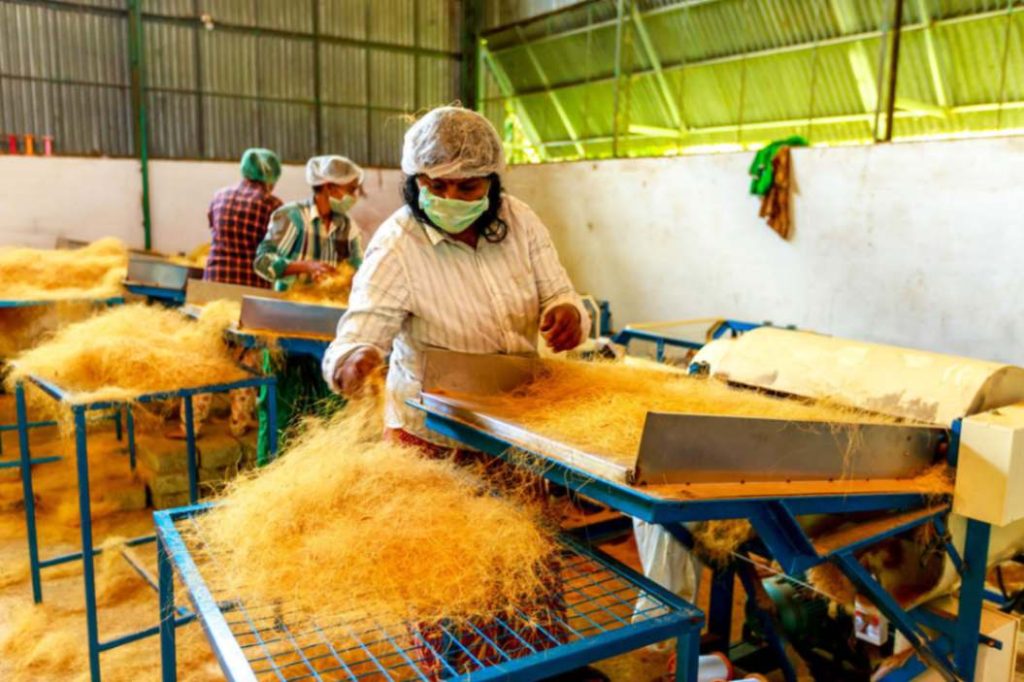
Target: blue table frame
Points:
(716, 330)
(290, 345)
(598, 591)
(88, 550)
(111, 301)
(775, 521)
(167, 297)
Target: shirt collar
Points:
(435, 235)
(315, 218)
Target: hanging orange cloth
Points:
(775, 206)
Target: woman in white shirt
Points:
(461, 267)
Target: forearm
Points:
(270, 265)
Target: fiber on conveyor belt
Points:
(601, 407)
(94, 271)
(131, 350)
(360, 523)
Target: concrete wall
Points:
(43, 198)
(918, 244)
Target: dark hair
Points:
(489, 225)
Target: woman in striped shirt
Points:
(462, 267)
(310, 238)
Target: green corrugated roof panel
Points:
(747, 71)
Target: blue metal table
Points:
(270, 642)
(775, 520)
(80, 413)
(9, 304)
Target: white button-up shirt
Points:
(420, 289)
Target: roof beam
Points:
(938, 82)
(651, 53)
(509, 93)
(556, 102)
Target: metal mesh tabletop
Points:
(603, 609)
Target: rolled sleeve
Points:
(378, 307)
(282, 233)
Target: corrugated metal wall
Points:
(298, 76)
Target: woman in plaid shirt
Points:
(238, 220)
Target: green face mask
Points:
(342, 206)
(452, 215)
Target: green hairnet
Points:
(261, 165)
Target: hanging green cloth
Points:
(761, 168)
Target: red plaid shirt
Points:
(238, 217)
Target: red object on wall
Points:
(12, 144)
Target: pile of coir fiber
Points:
(131, 350)
(23, 327)
(332, 290)
(345, 522)
(95, 271)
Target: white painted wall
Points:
(180, 194)
(43, 198)
(918, 244)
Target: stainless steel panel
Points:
(692, 448)
(475, 373)
(289, 317)
(155, 272)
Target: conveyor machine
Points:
(964, 412)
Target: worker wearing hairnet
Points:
(238, 217)
(310, 238)
(463, 266)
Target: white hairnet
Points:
(452, 142)
(332, 168)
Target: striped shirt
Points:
(297, 233)
(421, 289)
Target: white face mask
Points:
(451, 215)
